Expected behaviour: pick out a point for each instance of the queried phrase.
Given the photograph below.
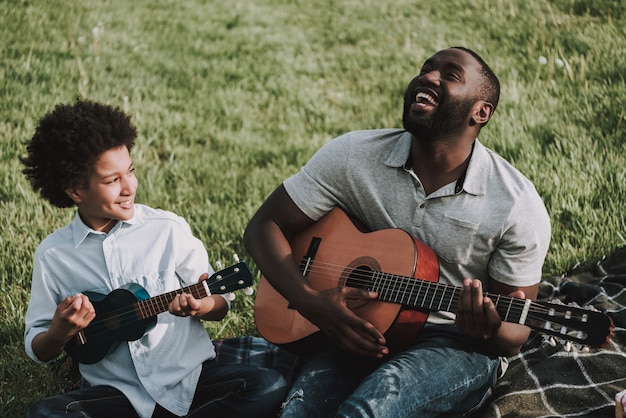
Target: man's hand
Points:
(329, 311)
(477, 317)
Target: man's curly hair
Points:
(68, 143)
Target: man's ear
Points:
(74, 194)
(482, 112)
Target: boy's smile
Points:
(110, 191)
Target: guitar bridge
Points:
(308, 258)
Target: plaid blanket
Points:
(549, 381)
(544, 380)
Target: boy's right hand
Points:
(73, 314)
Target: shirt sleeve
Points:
(317, 187)
(193, 259)
(519, 257)
(42, 304)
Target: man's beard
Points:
(443, 123)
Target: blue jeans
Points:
(441, 375)
(223, 390)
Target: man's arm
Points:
(267, 238)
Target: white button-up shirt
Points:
(156, 250)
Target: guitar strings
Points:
(538, 315)
(392, 284)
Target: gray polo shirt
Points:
(494, 224)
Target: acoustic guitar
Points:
(404, 272)
(127, 313)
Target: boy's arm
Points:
(73, 314)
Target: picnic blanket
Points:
(544, 380)
(549, 381)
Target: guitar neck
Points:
(435, 296)
(155, 305)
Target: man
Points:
(435, 180)
(80, 156)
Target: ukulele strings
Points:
(137, 311)
(146, 307)
(140, 309)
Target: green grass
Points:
(231, 97)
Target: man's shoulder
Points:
(504, 172)
(375, 134)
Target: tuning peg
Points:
(236, 258)
(230, 296)
(552, 341)
(568, 346)
(219, 265)
(248, 291)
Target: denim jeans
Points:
(223, 390)
(442, 375)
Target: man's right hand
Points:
(329, 311)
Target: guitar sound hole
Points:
(360, 277)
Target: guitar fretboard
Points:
(437, 296)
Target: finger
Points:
(353, 340)
(477, 298)
(354, 293)
(465, 300)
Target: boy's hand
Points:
(73, 314)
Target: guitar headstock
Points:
(227, 280)
(585, 326)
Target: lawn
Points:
(231, 97)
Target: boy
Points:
(80, 156)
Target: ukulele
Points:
(128, 312)
(404, 272)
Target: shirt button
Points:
(422, 205)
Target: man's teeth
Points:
(426, 97)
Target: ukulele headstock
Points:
(227, 280)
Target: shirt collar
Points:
(477, 172)
(80, 231)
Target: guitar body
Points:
(334, 253)
(342, 254)
(113, 323)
